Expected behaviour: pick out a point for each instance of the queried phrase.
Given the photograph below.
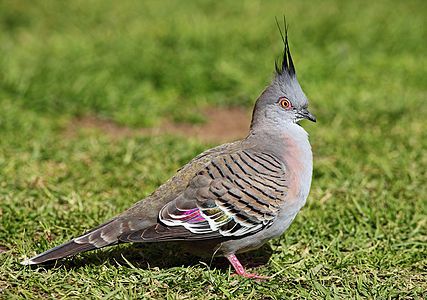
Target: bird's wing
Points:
(142, 216)
(235, 194)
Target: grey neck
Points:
(276, 138)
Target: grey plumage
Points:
(229, 199)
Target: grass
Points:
(362, 233)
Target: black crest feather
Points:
(287, 64)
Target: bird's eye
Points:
(285, 103)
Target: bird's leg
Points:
(240, 270)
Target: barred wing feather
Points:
(234, 195)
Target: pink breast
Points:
(294, 167)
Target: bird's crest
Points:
(287, 65)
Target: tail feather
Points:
(67, 249)
(99, 237)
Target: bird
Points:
(232, 198)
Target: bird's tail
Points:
(67, 249)
(99, 237)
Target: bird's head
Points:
(283, 101)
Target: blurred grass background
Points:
(362, 64)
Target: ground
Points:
(219, 125)
(102, 101)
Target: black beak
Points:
(307, 115)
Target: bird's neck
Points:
(279, 136)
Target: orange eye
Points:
(285, 103)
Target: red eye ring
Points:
(285, 103)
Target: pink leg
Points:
(240, 270)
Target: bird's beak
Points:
(307, 115)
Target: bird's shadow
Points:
(159, 255)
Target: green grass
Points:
(362, 233)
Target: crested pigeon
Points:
(229, 199)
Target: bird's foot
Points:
(240, 270)
(252, 276)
